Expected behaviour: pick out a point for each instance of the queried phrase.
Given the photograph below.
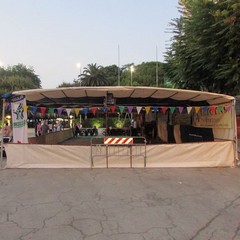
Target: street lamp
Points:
(131, 70)
(80, 72)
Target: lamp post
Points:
(80, 72)
(131, 70)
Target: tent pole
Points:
(3, 117)
(235, 140)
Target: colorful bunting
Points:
(25, 108)
(155, 109)
(212, 109)
(85, 111)
(164, 109)
(104, 109)
(172, 109)
(94, 110)
(228, 108)
(139, 109)
(113, 107)
(204, 109)
(147, 109)
(43, 110)
(59, 110)
(68, 110)
(220, 109)
(189, 109)
(130, 108)
(34, 109)
(121, 109)
(180, 109)
(76, 110)
(51, 111)
(197, 109)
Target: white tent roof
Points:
(125, 95)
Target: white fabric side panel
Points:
(47, 156)
(221, 133)
(210, 154)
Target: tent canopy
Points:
(124, 95)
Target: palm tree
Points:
(93, 75)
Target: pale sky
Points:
(52, 36)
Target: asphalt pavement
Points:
(120, 204)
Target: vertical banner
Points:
(19, 120)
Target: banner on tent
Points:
(221, 120)
(19, 119)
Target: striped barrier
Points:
(118, 141)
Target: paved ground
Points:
(120, 204)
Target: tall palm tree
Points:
(93, 75)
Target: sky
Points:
(52, 36)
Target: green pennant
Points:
(220, 109)
(121, 109)
(51, 111)
(172, 109)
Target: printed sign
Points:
(19, 120)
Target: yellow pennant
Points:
(147, 109)
(197, 109)
(76, 110)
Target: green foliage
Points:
(18, 77)
(205, 51)
(94, 75)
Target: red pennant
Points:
(164, 109)
(94, 110)
(43, 110)
(113, 107)
(212, 109)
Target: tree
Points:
(18, 77)
(205, 51)
(94, 75)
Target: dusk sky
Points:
(52, 36)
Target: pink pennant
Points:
(164, 109)
(180, 109)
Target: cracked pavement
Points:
(120, 204)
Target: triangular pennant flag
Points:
(147, 109)
(94, 110)
(172, 109)
(164, 109)
(180, 109)
(25, 108)
(228, 108)
(51, 111)
(130, 108)
(34, 109)
(197, 109)
(220, 108)
(59, 110)
(113, 107)
(139, 109)
(205, 109)
(212, 109)
(155, 109)
(76, 110)
(104, 109)
(68, 110)
(43, 110)
(85, 111)
(189, 109)
(121, 109)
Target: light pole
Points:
(131, 70)
(80, 72)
